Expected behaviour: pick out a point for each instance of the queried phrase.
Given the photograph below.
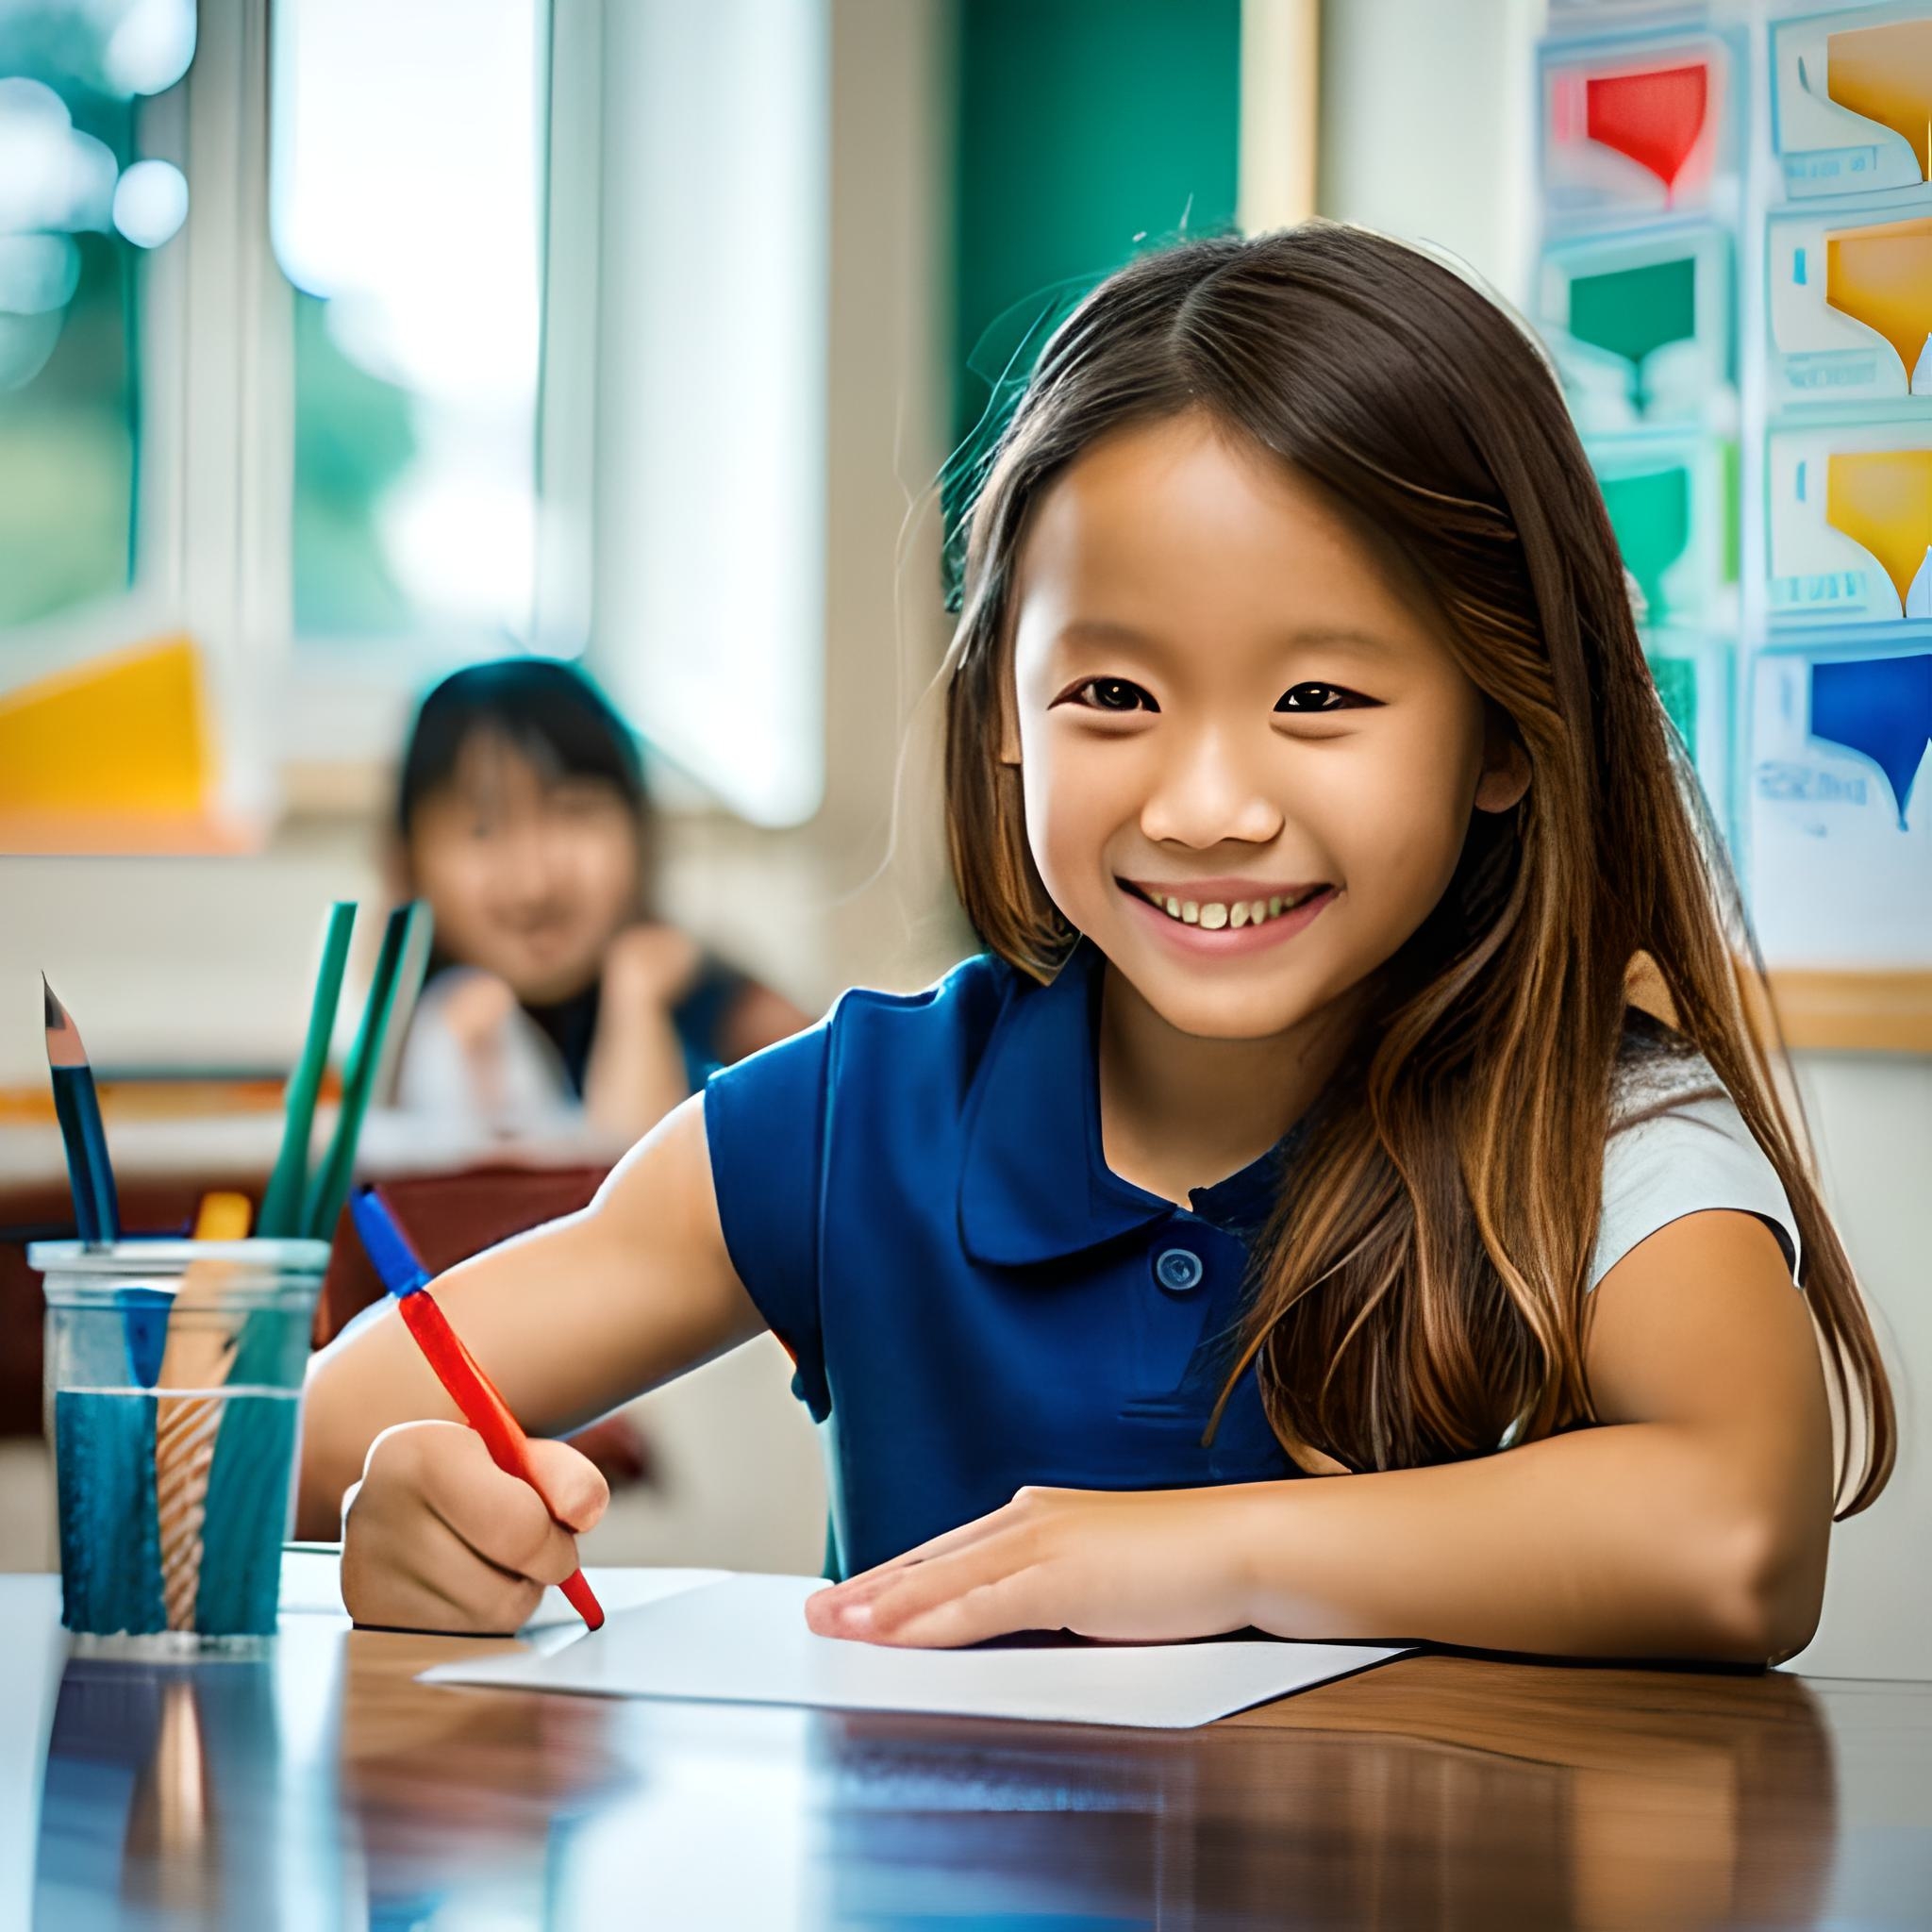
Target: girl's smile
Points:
(1212, 918)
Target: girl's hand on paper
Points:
(1143, 1566)
(435, 1537)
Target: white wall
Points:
(1871, 1114)
(1425, 129)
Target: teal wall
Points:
(1082, 124)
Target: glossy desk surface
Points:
(325, 1788)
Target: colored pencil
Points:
(329, 1188)
(221, 1218)
(185, 1424)
(96, 1211)
(109, 1437)
(455, 1367)
(281, 1206)
(248, 1439)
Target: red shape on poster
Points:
(1654, 117)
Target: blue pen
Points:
(388, 1248)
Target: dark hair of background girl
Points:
(549, 711)
(1421, 1288)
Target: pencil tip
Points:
(64, 1048)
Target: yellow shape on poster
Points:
(1885, 74)
(126, 734)
(1882, 500)
(1882, 277)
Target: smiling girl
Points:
(1288, 1220)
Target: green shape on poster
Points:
(1650, 514)
(1731, 484)
(1631, 311)
(1677, 685)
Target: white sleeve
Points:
(527, 1089)
(1700, 1155)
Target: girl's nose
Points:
(526, 865)
(1204, 791)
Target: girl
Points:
(521, 817)
(1308, 788)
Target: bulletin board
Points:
(1733, 274)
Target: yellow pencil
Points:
(196, 1357)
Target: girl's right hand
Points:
(435, 1537)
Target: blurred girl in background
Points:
(554, 995)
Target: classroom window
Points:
(408, 182)
(78, 207)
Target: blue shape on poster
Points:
(1880, 707)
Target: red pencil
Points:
(455, 1367)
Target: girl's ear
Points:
(1506, 766)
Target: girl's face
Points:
(529, 876)
(1229, 707)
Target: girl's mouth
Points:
(1219, 925)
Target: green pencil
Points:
(329, 1189)
(246, 1441)
(281, 1206)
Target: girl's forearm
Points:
(636, 1072)
(1627, 1540)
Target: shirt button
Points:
(1178, 1269)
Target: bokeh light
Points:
(151, 203)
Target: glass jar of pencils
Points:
(173, 1387)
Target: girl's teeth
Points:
(1213, 916)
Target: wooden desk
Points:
(328, 1788)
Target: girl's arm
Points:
(568, 1320)
(637, 1074)
(1691, 1524)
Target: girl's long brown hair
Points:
(1420, 1291)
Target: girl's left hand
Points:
(1136, 1566)
(650, 965)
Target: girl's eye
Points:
(1304, 698)
(1113, 694)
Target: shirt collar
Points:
(1034, 1183)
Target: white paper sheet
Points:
(312, 1586)
(743, 1641)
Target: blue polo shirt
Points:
(914, 1193)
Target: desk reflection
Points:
(326, 1787)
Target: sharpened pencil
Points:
(96, 1211)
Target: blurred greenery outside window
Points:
(407, 191)
(76, 199)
